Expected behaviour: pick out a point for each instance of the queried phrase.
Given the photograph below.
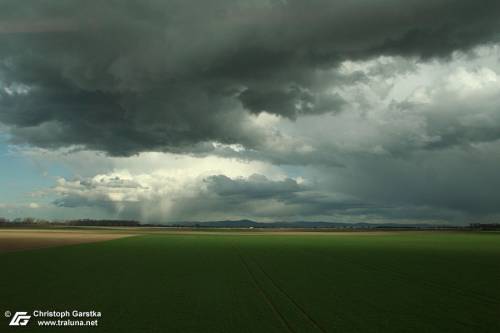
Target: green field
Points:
(393, 282)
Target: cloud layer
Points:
(166, 75)
(359, 110)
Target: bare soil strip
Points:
(17, 240)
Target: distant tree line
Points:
(33, 222)
(109, 223)
(23, 221)
(485, 226)
(29, 221)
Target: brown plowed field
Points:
(16, 240)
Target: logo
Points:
(20, 319)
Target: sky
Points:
(272, 110)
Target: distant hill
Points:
(299, 224)
(242, 224)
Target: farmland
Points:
(15, 240)
(264, 282)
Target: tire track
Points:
(408, 279)
(291, 299)
(265, 295)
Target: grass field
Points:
(161, 282)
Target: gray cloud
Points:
(290, 103)
(341, 93)
(167, 75)
(256, 186)
(255, 197)
(216, 196)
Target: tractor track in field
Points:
(435, 285)
(290, 298)
(374, 306)
(407, 278)
(265, 295)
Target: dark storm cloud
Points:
(255, 187)
(455, 181)
(125, 77)
(289, 103)
(259, 196)
(119, 125)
